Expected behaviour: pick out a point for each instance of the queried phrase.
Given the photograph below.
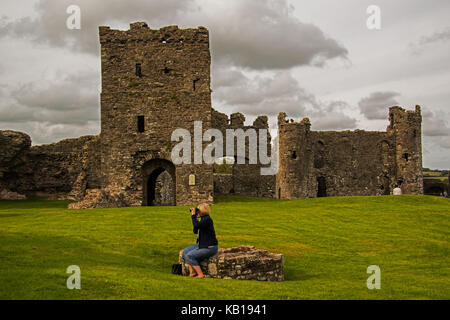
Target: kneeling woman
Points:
(207, 244)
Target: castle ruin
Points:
(156, 81)
(360, 163)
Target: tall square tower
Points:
(153, 82)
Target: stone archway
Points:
(159, 183)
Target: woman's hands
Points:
(192, 211)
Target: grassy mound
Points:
(328, 244)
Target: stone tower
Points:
(153, 82)
(294, 159)
(406, 129)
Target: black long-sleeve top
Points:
(205, 230)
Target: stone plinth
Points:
(243, 262)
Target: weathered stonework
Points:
(243, 263)
(11, 195)
(223, 183)
(154, 81)
(246, 179)
(52, 168)
(328, 163)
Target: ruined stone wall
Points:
(246, 178)
(223, 184)
(13, 149)
(355, 163)
(164, 190)
(406, 128)
(321, 163)
(163, 76)
(51, 168)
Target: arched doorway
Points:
(159, 183)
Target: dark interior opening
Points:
(319, 163)
(166, 70)
(385, 186)
(321, 187)
(138, 70)
(434, 191)
(406, 156)
(195, 83)
(151, 186)
(294, 154)
(141, 123)
(159, 183)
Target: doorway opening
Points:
(159, 183)
(321, 187)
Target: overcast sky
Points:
(313, 59)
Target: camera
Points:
(197, 211)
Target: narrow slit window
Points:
(141, 123)
(406, 156)
(195, 83)
(138, 70)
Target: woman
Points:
(207, 244)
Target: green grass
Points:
(328, 244)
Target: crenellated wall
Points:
(330, 163)
(246, 178)
(157, 81)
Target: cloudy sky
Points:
(313, 59)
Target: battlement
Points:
(237, 121)
(139, 31)
(358, 162)
(169, 62)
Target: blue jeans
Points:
(193, 254)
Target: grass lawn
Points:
(328, 244)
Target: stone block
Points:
(243, 263)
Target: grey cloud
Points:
(258, 95)
(257, 34)
(42, 132)
(269, 95)
(266, 35)
(332, 116)
(49, 27)
(437, 37)
(374, 106)
(72, 99)
(435, 125)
